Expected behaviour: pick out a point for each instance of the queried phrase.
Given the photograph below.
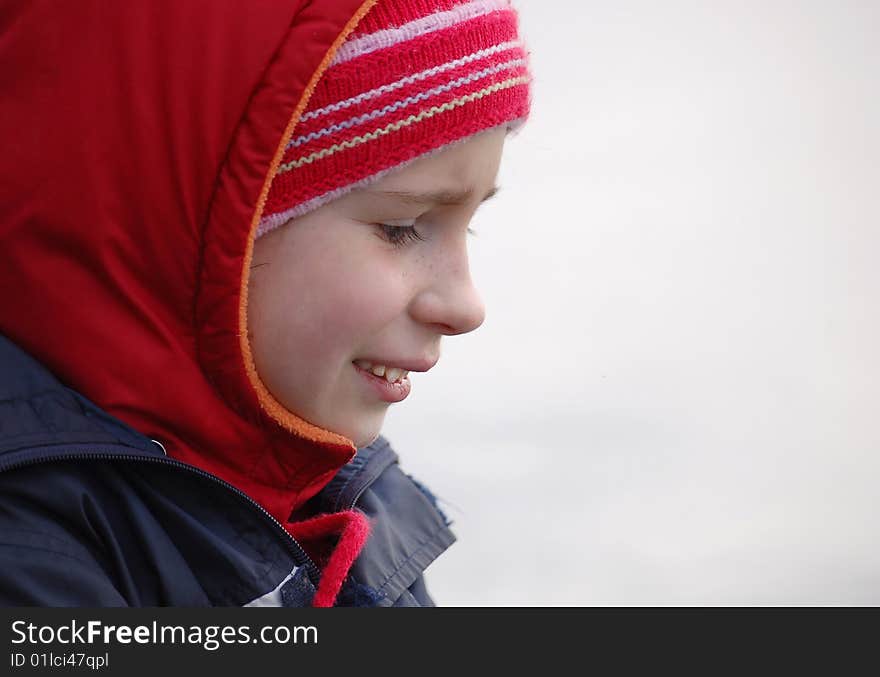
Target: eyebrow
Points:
(440, 197)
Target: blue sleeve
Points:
(37, 569)
(50, 552)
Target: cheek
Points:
(356, 305)
(323, 310)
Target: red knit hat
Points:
(416, 76)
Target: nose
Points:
(448, 301)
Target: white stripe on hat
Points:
(406, 122)
(410, 79)
(270, 222)
(414, 29)
(408, 101)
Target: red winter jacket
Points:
(138, 142)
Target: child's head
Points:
(361, 261)
(207, 239)
(374, 278)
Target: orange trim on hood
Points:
(268, 402)
(138, 150)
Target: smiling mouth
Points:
(390, 374)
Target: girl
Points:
(230, 235)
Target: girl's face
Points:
(369, 281)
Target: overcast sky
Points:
(674, 398)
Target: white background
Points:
(674, 398)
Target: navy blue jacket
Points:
(92, 513)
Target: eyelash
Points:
(400, 236)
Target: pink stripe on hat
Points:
(416, 76)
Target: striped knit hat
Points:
(415, 76)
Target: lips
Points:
(390, 374)
(380, 386)
(418, 364)
(388, 378)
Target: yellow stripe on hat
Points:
(406, 122)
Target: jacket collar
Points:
(409, 529)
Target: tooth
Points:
(393, 374)
(363, 364)
(404, 374)
(379, 370)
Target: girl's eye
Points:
(400, 235)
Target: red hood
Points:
(138, 138)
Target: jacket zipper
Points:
(300, 555)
